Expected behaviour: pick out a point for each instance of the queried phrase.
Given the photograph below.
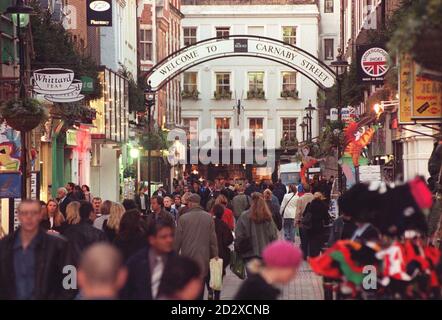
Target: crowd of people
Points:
(162, 248)
(141, 249)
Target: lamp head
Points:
(20, 13)
(340, 65)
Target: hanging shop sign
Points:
(35, 185)
(99, 13)
(57, 85)
(334, 114)
(258, 47)
(71, 137)
(10, 148)
(370, 173)
(87, 84)
(405, 94)
(10, 185)
(427, 98)
(346, 114)
(373, 63)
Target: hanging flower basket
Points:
(23, 115)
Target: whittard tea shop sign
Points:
(257, 47)
(57, 85)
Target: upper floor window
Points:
(289, 129)
(222, 128)
(190, 89)
(189, 35)
(289, 85)
(256, 128)
(289, 35)
(328, 49)
(145, 43)
(191, 125)
(328, 6)
(222, 31)
(256, 85)
(222, 90)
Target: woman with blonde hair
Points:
(111, 226)
(228, 214)
(73, 213)
(255, 229)
(55, 218)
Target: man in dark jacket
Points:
(32, 261)
(63, 200)
(158, 212)
(142, 201)
(279, 190)
(146, 267)
(83, 234)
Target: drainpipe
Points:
(154, 31)
(57, 180)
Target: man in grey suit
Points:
(195, 236)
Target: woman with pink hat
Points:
(280, 262)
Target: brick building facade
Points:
(159, 35)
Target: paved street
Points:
(306, 286)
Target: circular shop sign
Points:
(99, 5)
(374, 62)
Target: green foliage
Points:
(73, 111)
(419, 32)
(156, 140)
(256, 94)
(190, 94)
(53, 48)
(28, 107)
(136, 91)
(331, 136)
(129, 172)
(290, 94)
(287, 143)
(222, 95)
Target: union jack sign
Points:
(373, 63)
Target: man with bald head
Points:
(101, 273)
(32, 261)
(63, 200)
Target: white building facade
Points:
(273, 96)
(329, 30)
(119, 42)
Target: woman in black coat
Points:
(319, 219)
(225, 239)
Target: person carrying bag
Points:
(288, 212)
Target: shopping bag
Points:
(216, 274)
(237, 265)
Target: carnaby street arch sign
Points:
(241, 45)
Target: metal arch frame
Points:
(181, 70)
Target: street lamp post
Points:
(309, 109)
(149, 99)
(20, 16)
(303, 126)
(340, 67)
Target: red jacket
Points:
(227, 218)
